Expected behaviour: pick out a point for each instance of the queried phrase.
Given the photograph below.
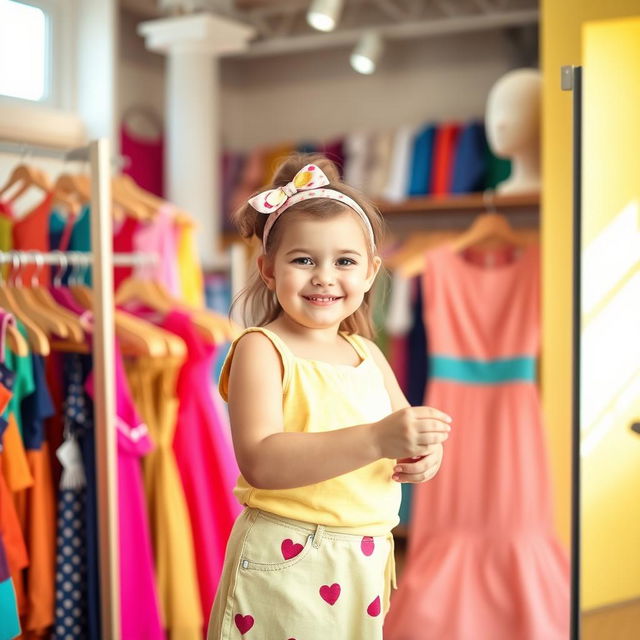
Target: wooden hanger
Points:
(28, 176)
(137, 335)
(75, 330)
(153, 201)
(50, 324)
(409, 261)
(134, 207)
(490, 230)
(36, 338)
(416, 245)
(78, 186)
(154, 295)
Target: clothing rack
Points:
(74, 258)
(98, 153)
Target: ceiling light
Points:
(323, 14)
(367, 52)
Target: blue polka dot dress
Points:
(77, 603)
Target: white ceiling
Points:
(281, 25)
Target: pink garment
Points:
(139, 609)
(483, 560)
(205, 458)
(159, 236)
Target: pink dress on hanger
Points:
(205, 457)
(483, 560)
(139, 609)
(159, 236)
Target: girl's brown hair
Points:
(259, 304)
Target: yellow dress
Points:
(189, 269)
(153, 383)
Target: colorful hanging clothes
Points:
(36, 506)
(139, 610)
(16, 374)
(205, 459)
(483, 561)
(153, 385)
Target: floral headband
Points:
(307, 183)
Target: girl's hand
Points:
(409, 432)
(421, 469)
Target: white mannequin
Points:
(513, 128)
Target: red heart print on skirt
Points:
(330, 593)
(289, 549)
(374, 608)
(367, 545)
(244, 623)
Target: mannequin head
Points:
(513, 125)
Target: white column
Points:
(193, 45)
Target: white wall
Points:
(140, 73)
(316, 95)
(319, 95)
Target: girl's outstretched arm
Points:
(269, 458)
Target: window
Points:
(25, 60)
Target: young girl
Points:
(321, 430)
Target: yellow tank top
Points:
(320, 396)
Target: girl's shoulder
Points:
(260, 349)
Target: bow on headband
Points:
(309, 177)
(307, 183)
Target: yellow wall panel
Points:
(561, 41)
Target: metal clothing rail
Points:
(98, 154)
(27, 149)
(74, 258)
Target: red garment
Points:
(444, 153)
(146, 160)
(32, 232)
(123, 243)
(6, 209)
(398, 346)
(205, 458)
(54, 426)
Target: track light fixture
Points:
(324, 14)
(366, 53)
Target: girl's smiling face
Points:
(321, 269)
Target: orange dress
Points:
(15, 476)
(36, 506)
